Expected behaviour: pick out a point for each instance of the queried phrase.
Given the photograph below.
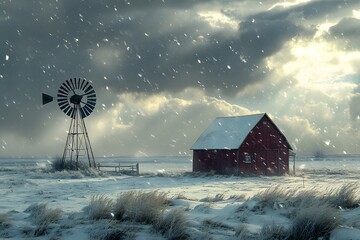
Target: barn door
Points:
(266, 162)
(272, 163)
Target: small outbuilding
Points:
(242, 145)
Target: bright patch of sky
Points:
(219, 20)
(356, 13)
(286, 4)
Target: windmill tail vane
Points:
(77, 99)
(46, 98)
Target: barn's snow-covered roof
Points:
(227, 132)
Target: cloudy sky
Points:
(164, 69)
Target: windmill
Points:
(77, 99)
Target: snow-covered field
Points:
(216, 207)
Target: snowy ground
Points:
(216, 206)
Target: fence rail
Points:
(120, 168)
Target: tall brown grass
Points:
(344, 196)
(173, 225)
(100, 207)
(140, 206)
(43, 217)
(314, 222)
(314, 212)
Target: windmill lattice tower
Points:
(77, 99)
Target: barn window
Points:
(247, 158)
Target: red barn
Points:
(244, 145)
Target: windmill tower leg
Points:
(89, 151)
(77, 143)
(69, 145)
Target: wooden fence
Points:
(132, 169)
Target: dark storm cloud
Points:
(59, 39)
(44, 43)
(348, 32)
(140, 46)
(151, 65)
(316, 9)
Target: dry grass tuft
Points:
(140, 206)
(122, 203)
(100, 207)
(272, 195)
(216, 224)
(274, 231)
(173, 225)
(243, 233)
(57, 165)
(217, 198)
(314, 222)
(345, 196)
(316, 212)
(106, 229)
(182, 196)
(306, 198)
(43, 217)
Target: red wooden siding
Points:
(217, 161)
(265, 147)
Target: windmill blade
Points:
(85, 86)
(88, 89)
(91, 92)
(62, 93)
(46, 98)
(75, 83)
(84, 112)
(91, 100)
(63, 104)
(90, 107)
(72, 83)
(92, 104)
(71, 112)
(65, 109)
(62, 99)
(93, 97)
(70, 97)
(79, 83)
(65, 88)
(82, 84)
(69, 85)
